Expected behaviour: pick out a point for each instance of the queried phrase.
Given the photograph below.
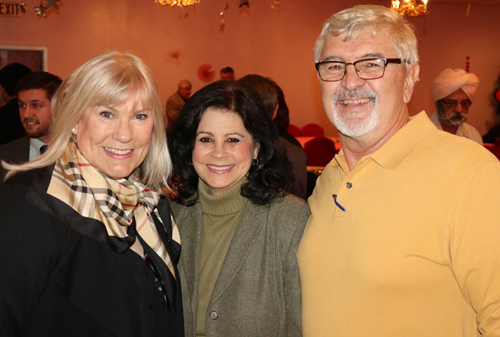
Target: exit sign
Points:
(9, 8)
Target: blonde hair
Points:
(108, 79)
(355, 20)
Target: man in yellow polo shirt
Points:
(404, 236)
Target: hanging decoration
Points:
(467, 63)
(468, 10)
(222, 23)
(205, 74)
(24, 8)
(40, 10)
(244, 3)
(175, 54)
(275, 4)
(410, 7)
(52, 3)
(180, 3)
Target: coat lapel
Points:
(72, 274)
(190, 220)
(249, 226)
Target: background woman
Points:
(87, 249)
(240, 229)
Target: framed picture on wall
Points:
(34, 58)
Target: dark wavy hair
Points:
(265, 88)
(269, 177)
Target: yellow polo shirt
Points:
(416, 251)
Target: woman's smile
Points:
(224, 150)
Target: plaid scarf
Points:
(113, 202)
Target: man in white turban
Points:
(453, 91)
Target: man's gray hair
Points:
(184, 84)
(358, 19)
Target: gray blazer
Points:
(257, 292)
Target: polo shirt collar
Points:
(399, 146)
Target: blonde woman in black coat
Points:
(87, 245)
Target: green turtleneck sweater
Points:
(220, 217)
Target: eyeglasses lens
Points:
(366, 69)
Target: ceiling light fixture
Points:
(410, 7)
(180, 3)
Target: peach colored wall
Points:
(274, 43)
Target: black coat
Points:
(58, 277)
(11, 127)
(15, 152)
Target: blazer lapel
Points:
(189, 221)
(249, 226)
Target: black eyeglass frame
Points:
(386, 62)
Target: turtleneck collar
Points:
(228, 202)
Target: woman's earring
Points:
(74, 131)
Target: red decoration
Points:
(204, 72)
(175, 55)
(497, 95)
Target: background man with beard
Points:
(404, 233)
(453, 91)
(34, 92)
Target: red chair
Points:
(294, 130)
(312, 130)
(320, 151)
(489, 146)
(494, 148)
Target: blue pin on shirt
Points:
(336, 203)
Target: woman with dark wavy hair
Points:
(240, 229)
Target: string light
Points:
(410, 7)
(180, 3)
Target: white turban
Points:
(450, 80)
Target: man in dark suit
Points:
(35, 91)
(10, 125)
